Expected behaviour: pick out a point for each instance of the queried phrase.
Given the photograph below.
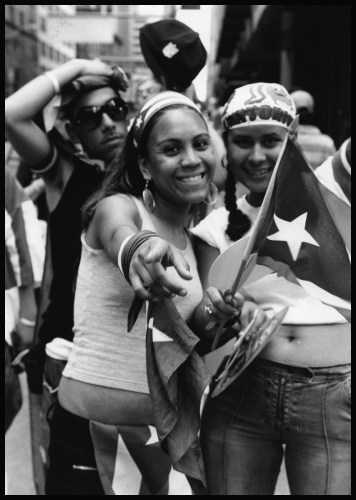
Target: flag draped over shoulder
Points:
(297, 237)
(177, 378)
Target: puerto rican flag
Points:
(164, 459)
(177, 379)
(297, 237)
(130, 462)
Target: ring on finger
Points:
(208, 309)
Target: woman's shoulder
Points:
(216, 219)
(119, 203)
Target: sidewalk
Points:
(19, 462)
(18, 459)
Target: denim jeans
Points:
(272, 407)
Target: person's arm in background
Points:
(35, 189)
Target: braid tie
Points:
(239, 223)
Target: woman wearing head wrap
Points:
(165, 167)
(297, 392)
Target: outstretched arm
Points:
(116, 219)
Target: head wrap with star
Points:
(153, 106)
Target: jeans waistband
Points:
(299, 372)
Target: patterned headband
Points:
(152, 107)
(259, 103)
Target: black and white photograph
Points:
(177, 250)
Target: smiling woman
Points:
(166, 165)
(296, 393)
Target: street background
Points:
(300, 46)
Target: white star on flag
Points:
(157, 335)
(139, 122)
(154, 436)
(293, 233)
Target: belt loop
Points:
(313, 375)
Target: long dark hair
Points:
(239, 223)
(124, 175)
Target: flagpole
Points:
(260, 219)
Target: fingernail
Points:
(182, 293)
(172, 296)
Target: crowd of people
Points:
(138, 211)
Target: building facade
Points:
(111, 33)
(31, 46)
(300, 46)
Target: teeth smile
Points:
(259, 172)
(187, 180)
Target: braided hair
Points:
(239, 223)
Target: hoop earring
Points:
(225, 162)
(148, 199)
(213, 195)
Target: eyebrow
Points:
(172, 139)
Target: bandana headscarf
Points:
(152, 107)
(117, 81)
(259, 103)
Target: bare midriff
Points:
(104, 404)
(313, 346)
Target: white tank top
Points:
(104, 353)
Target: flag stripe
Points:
(340, 213)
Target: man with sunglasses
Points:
(71, 157)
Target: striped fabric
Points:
(316, 147)
(18, 266)
(130, 462)
(23, 234)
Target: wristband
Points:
(27, 322)
(119, 259)
(54, 81)
(49, 166)
(130, 248)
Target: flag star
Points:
(154, 436)
(139, 122)
(294, 233)
(158, 336)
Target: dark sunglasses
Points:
(89, 118)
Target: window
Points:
(21, 19)
(12, 13)
(43, 24)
